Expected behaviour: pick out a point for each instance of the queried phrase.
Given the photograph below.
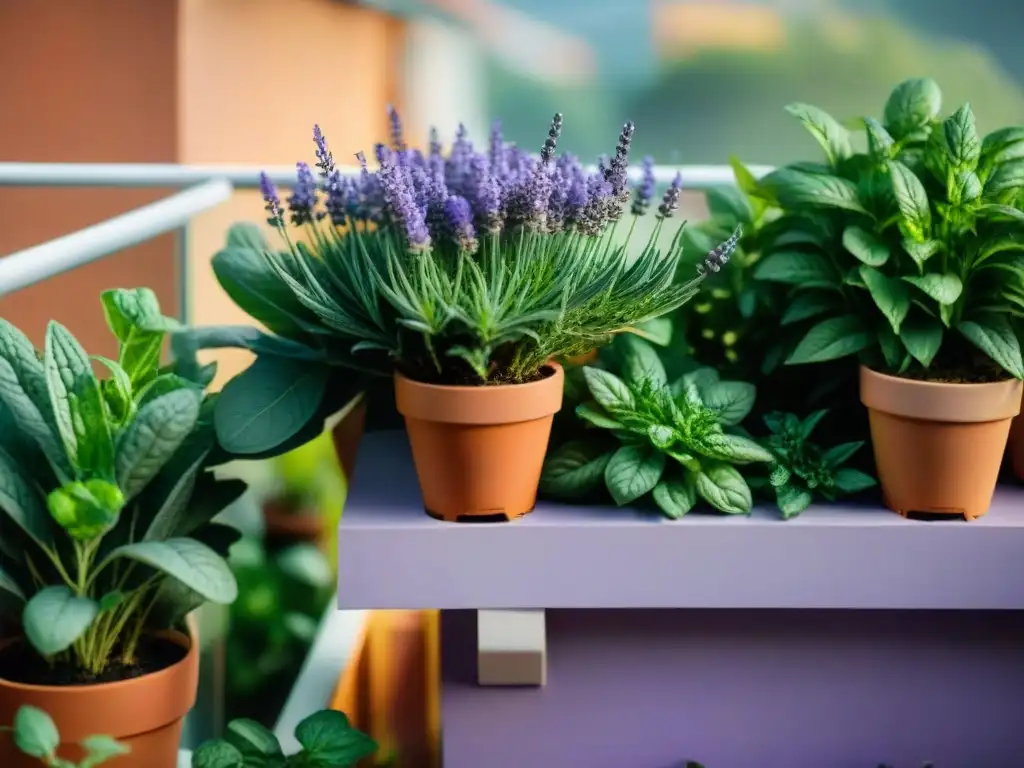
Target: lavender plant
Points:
(466, 267)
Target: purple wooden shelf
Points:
(392, 555)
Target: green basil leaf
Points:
(675, 496)
(961, 132)
(945, 289)
(55, 617)
(838, 455)
(731, 400)
(22, 503)
(596, 417)
(920, 252)
(1005, 177)
(217, 753)
(100, 748)
(796, 268)
(833, 137)
(574, 469)
(832, 339)
(922, 337)
(734, 449)
(153, 436)
(912, 105)
(808, 304)
(35, 733)
(723, 487)
(1003, 144)
(850, 480)
(730, 204)
(608, 389)
(191, 562)
(865, 246)
(791, 500)
(793, 188)
(912, 200)
(891, 295)
(633, 471)
(995, 336)
(880, 143)
(254, 741)
(641, 363)
(328, 740)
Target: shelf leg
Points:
(512, 648)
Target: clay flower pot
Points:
(479, 451)
(1016, 446)
(938, 447)
(281, 521)
(144, 713)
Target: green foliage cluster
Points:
(908, 254)
(105, 496)
(677, 441)
(328, 741)
(35, 734)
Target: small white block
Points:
(511, 647)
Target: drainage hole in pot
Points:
(952, 514)
(496, 517)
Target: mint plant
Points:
(907, 254)
(469, 268)
(327, 739)
(677, 441)
(801, 469)
(35, 734)
(105, 497)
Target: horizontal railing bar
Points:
(32, 265)
(247, 176)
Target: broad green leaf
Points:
(723, 487)
(608, 389)
(730, 204)
(574, 469)
(153, 436)
(701, 379)
(833, 137)
(891, 295)
(808, 304)
(245, 337)
(255, 742)
(99, 749)
(22, 503)
(748, 185)
(329, 740)
(735, 449)
(164, 384)
(134, 317)
(945, 289)
(675, 496)
(838, 455)
(796, 268)
(964, 187)
(248, 235)
(269, 402)
(794, 188)
(169, 498)
(35, 733)
(880, 142)
(641, 363)
(808, 425)
(912, 105)
(865, 246)
(832, 339)
(732, 400)
(915, 215)
(217, 754)
(961, 132)
(922, 337)
(791, 501)
(995, 336)
(1003, 144)
(998, 245)
(596, 417)
(1005, 177)
(921, 252)
(77, 403)
(1001, 212)
(657, 330)
(849, 480)
(633, 471)
(191, 562)
(55, 617)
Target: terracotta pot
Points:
(479, 451)
(281, 521)
(145, 713)
(347, 434)
(938, 447)
(1016, 446)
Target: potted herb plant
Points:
(466, 275)
(908, 255)
(107, 535)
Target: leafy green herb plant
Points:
(328, 741)
(801, 469)
(105, 494)
(35, 734)
(678, 441)
(908, 254)
(470, 268)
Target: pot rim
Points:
(174, 635)
(951, 402)
(481, 405)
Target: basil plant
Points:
(910, 253)
(106, 498)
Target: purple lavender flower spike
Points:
(548, 150)
(395, 126)
(382, 152)
(645, 189)
(303, 198)
(496, 149)
(275, 216)
(615, 172)
(324, 159)
(400, 198)
(670, 202)
(486, 194)
(338, 198)
(459, 221)
(718, 257)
